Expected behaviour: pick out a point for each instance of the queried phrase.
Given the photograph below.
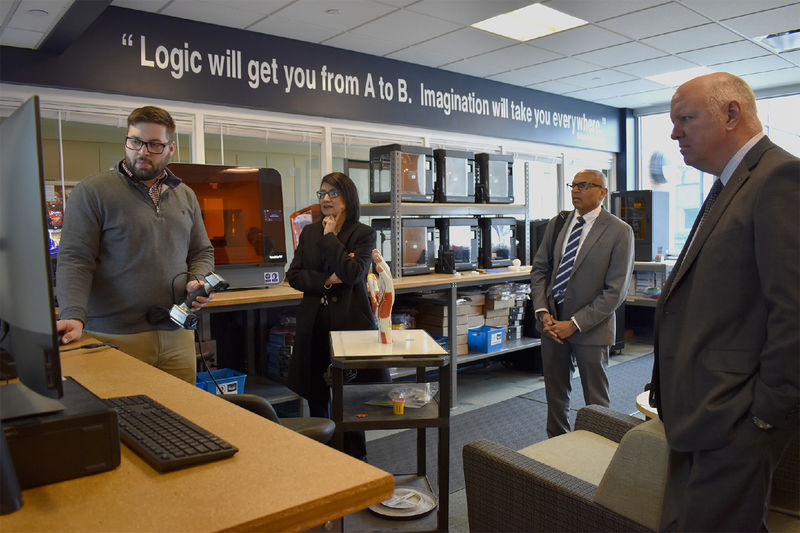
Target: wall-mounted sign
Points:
(138, 53)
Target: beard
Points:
(140, 174)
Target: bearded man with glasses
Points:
(132, 245)
(580, 276)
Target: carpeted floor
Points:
(514, 423)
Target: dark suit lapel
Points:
(729, 192)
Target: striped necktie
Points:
(567, 261)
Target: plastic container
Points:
(486, 339)
(231, 381)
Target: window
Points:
(661, 165)
(351, 155)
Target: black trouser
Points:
(355, 442)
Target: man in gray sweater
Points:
(132, 244)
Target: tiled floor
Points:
(493, 382)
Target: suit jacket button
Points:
(335, 299)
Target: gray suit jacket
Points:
(599, 280)
(727, 324)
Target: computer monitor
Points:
(27, 316)
(243, 213)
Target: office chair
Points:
(319, 429)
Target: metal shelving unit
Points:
(395, 209)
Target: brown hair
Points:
(153, 114)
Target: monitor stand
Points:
(17, 400)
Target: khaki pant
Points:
(169, 350)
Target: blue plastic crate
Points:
(486, 339)
(231, 381)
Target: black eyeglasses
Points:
(583, 185)
(333, 193)
(152, 146)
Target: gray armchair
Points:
(582, 481)
(607, 475)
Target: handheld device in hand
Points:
(182, 314)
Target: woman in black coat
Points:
(330, 267)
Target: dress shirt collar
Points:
(727, 172)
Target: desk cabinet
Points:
(348, 403)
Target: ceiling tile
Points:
(555, 87)
(692, 38)
(775, 78)
(724, 52)
(453, 46)
(470, 68)
(395, 3)
(401, 29)
(20, 38)
(597, 78)
(654, 21)
(559, 68)
(660, 65)
(767, 22)
(338, 15)
(599, 10)
(38, 15)
(358, 42)
(794, 57)
(616, 89)
(466, 11)
(620, 54)
(511, 58)
(293, 29)
(211, 12)
(723, 9)
(151, 6)
(577, 40)
(754, 65)
(639, 100)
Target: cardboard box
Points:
(441, 310)
(441, 321)
(442, 330)
(498, 322)
(499, 304)
(494, 313)
(476, 297)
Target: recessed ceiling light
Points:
(678, 77)
(529, 23)
(787, 41)
(37, 12)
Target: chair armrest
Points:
(507, 491)
(605, 422)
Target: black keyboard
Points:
(162, 437)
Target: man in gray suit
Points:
(580, 276)
(726, 378)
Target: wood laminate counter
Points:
(277, 481)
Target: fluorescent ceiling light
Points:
(679, 77)
(529, 23)
(787, 41)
